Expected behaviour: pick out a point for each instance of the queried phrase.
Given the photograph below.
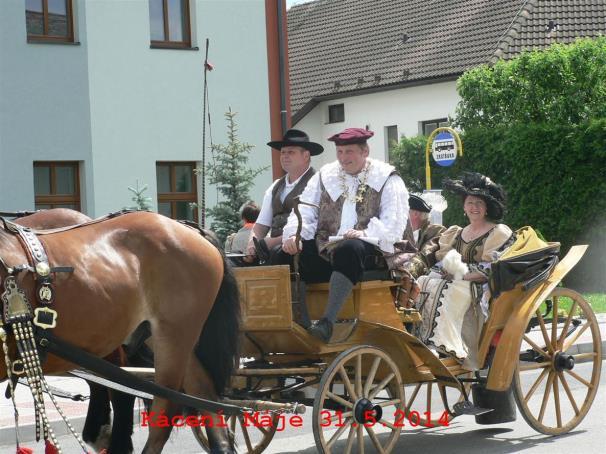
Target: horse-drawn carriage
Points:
(373, 377)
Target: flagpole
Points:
(203, 201)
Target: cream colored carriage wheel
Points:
(360, 393)
(255, 438)
(558, 372)
(426, 400)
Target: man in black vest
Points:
(295, 157)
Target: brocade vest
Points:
(329, 216)
(281, 210)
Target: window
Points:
(428, 126)
(177, 189)
(49, 20)
(169, 23)
(336, 113)
(56, 185)
(391, 139)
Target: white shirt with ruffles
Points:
(388, 227)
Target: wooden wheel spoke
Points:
(339, 432)
(245, 433)
(347, 383)
(574, 338)
(375, 440)
(428, 406)
(568, 393)
(387, 423)
(554, 321)
(360, 433)
(359, 374)
(371, 376)
(535, 385)
(413, 396)
(548, 343)
(534, 366)
(350, 439)
(387, 403)
(339, 399)
(556, 400)
(579, 378)
(381, 386)
(232, 423)
(566, 325)
(546, 395)
(582, 356)
(535, 347)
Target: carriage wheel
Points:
(425, 399)
(360, 392)
(255, 438)
(558, 372)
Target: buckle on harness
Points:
(45, 318)
(17, 367)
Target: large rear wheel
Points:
(558, 372)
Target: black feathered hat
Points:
(476, 184)
(417, 203)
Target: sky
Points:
(290, 3)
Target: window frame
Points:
(173, 197)
(45, 38)
(332, 107)
(438, 121)
(167, 44)
(53, 199)
(388, 146)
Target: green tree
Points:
(142, 202)
(230, 173)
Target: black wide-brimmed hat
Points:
(417, 203)
(476, 184)
(297, 138)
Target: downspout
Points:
(282, 72)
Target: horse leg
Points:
(198, 383)
(122, 426)
(96, 430)
(172, 349)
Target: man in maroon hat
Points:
(295, 157)
(361, 208)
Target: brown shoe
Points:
(322, 329)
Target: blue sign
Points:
(444, 149)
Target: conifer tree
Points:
(232, 176)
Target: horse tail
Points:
(218, 347)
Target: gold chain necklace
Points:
(362, 177)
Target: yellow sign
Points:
(445, 144)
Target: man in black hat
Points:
(416, 253)
(295, 157)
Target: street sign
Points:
(444, 149)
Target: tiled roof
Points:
(341, 47)
(551, 21)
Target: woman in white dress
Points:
(454, 310)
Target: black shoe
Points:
(322, 329)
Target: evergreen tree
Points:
(142, 203)
(230, 173)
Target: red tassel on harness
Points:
(50, 448)
(22, 450)
(103, 451)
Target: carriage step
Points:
(467, 407)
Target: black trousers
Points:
(350, 257)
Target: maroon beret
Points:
(351, 135)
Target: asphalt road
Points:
(463, 435)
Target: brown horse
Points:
(143, 266)
(99, 429)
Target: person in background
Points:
(295, 157)
(238, 241)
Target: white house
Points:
(392, 66)
(97, 95)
